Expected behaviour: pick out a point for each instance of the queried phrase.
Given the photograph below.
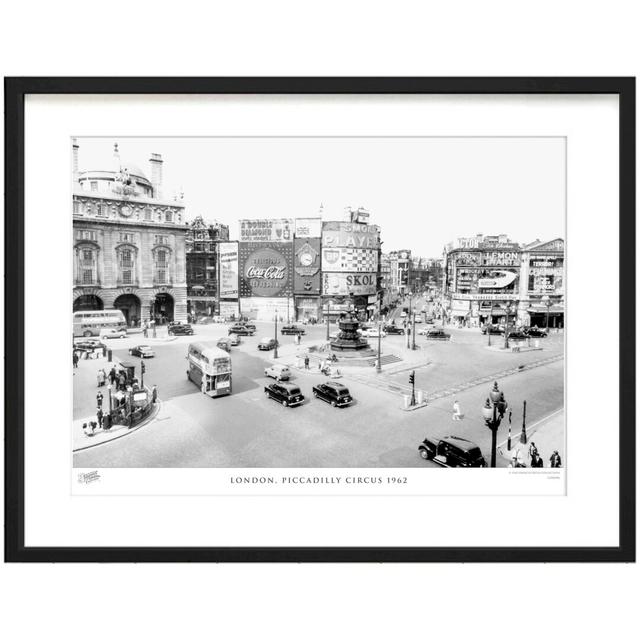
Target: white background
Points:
(401, 38)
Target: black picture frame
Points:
(15, 91)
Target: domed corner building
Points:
(128, 242)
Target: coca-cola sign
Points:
(266, 271)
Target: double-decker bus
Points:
(92, 323)
(209, 368)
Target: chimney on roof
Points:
(75, 158)
(156, 174)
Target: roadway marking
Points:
(531, 426)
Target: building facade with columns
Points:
(128, 242)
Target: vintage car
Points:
(285, 393)
(452, 451)
(266, 344)
(179, 329)
(535, 332)
(493, 329)
(142, 351)
(113, 332)
(336, 394)
(372, 333)
(224, 343)
(393, 330)
(517, 334)
(278, 371)
(235, 339)
(292, 330)
(434, 334)
(242, 329)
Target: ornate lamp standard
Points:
(548, 303)
(493, 412)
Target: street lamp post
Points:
(489, 325)
(328, 317)
(507, 308)
(275, 349)
(493, 412)
(378, 363)
(548, 303)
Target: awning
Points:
(540, 308)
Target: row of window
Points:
(88, 266)
(85, 234)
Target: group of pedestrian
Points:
(555, 461)
(101, 377)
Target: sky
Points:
(422, 192)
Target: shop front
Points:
(266, 309)
(307, 308)
(543, 316)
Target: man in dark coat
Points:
(99, 415)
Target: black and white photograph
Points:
(364, 303)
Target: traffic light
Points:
(412, 377)
(142, 367)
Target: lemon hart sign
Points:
(266, 269)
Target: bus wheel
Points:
(87, 334)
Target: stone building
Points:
(128, 242)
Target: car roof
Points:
(461, 443)
(289, 385)
(335, 385)
(143, 346)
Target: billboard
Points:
(266, 269)
(349, 260)
(308, 227)
(306, 265)
(228, 252)
(352, 235)
(497, 280)
(267, 230)
(343, 284)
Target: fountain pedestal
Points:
(349, 340)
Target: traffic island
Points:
(514, 348)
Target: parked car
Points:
(88, 344)
(435, 334)
(373, 333)
(113, 332)
(235, 339)
(278, 371)
(336, 394)
(393, 330)
(493, 329)
(224, 343)
(266, 344)
(242, 330)
(249, 325)
(179, 329)
(292, 330)
(535, 332)
(452, 451)
(517, 334)
(142, 351)
(286, 393)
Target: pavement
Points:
(547, 434)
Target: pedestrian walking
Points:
(537, 460)
(533, 450)
(99, 415)
(457, 411)
(84, 429)
(112, 375)
(106, 422)
(99, 398)
(93, 424)
(145, 329)
(306, 362)
(75, 359)
(153, 327)
(154, 394)
(555, 460)
(99, 377)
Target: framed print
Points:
(320, 319)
